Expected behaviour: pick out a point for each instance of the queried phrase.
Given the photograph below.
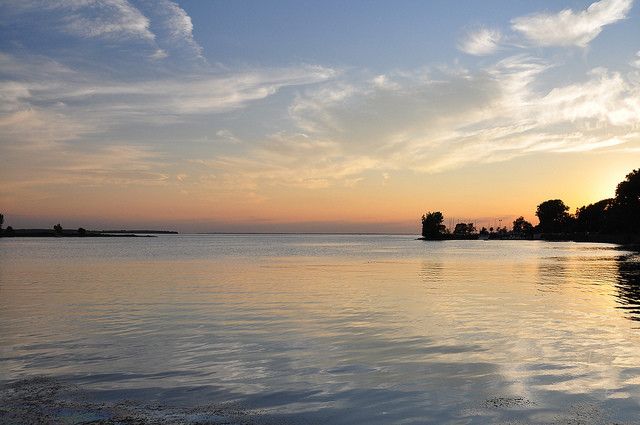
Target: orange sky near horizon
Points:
(483, 194)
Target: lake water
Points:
(338, 329)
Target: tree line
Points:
(57, 229)
(619, 215)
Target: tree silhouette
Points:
(626, 208)
(9, 231)
(553, 216)
(82, 231)
(464, 229)
(593, 218)
(432, 227)
(616, 219)
(1, 221)
(58, 229)
(522, 227)
(628, 190)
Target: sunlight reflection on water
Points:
(339, 329)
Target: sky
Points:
(312, 116)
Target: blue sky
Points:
(312, 115)
(378, 35)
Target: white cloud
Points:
(162, 25)
(589, 145)
(482, 42)
(42, 149)
(605, 99)
(68, 117)
(65, 165)
(179, 22)
(384, 82)
(569, 28)
(33, 129)
(291, 160)
(636, 61)
(367, 117)
(178, 26)
(435, 124)
(159, 54)
(218, 93)
(205, 92)
(105, 18)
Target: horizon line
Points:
(298, 233)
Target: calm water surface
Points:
(331, 329)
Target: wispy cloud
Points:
(49, 110)
(605, 99)
(111, 165)
(179, 26)
(207, 91)
(570, 28)
(483, 41)
(589, 145)
(163, 25)
(30, 130)
(290, 160)
(439, 122)
(98, 18)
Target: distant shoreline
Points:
(73, 233)
(305, 233)
(150, 232)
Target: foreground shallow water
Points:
(308, 329)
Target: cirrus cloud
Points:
(115, 19)
(162, 26)
(569, 28)
(439, 121)
(481, 42)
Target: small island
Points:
(613, 220)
